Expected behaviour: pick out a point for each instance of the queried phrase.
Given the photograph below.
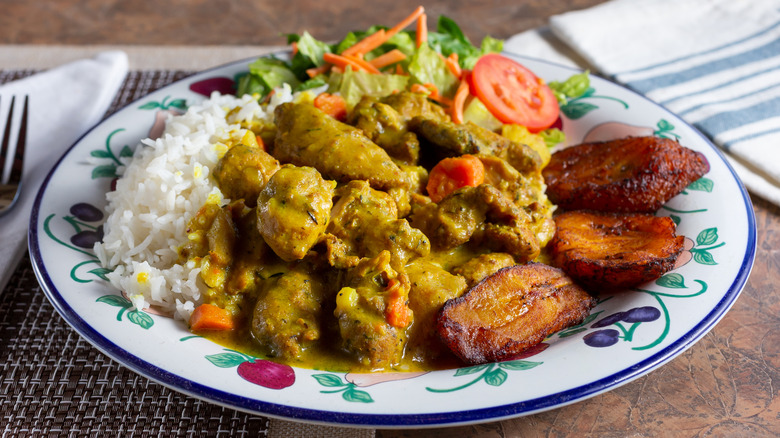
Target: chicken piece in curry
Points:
(331, 255)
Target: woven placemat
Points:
(54, 383)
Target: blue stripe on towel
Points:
(723, 85)
(728, 120)
(715, 49)
(766, 51)
(718, 102)
(751, 136)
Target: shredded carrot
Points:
(453, 65)
(422, 30)
(388, 58)
(365, 65)
(367, 44)
(294, 48)
(459, 101)
(381, 36)
(344, 61)
(332, 105)
(432, 92)
(405, 22)
(453, 173)
(315, 71)
(399, 70)
(269, 96)
(211, 317)
(419, 88)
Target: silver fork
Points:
(11, 181)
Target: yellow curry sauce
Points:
(331, 256)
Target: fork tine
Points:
(21, 143)
(6, 137)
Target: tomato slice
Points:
(513, 93)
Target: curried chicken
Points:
(373, 312)
(431, 287)
(287, 316)
(635, 174)
(308, 137)
(481, 215)
(364, 222)
(293, 210)
(243, 171)
(453, 139)
(482, 266)
(385, 121)
(337, 259)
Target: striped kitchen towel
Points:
(715, 63)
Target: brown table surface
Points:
(725, 385)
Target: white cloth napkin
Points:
(64, 103)
(715, 63)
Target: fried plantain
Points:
(609, 251)
(635, 174)
(511, 311)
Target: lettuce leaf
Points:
(265, 74)
(309, 54)
(552, 137)
(572, 88)
(353, 85)
(426, 66)
(449, 39)
(312, 49)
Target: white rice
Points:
(163, 186)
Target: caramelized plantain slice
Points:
(635, 174)
(608, 251)
(511, 311)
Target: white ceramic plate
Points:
(626, 336)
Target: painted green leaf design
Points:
(575, 110)
(100, 272)
(178, 103)
(664, 125)
(674, 280)
(149, 106)
(702, 185)
(568, 333)
(115, 300)
(98, 153)
(704, 258)
(470, 370)
(328, 380)
(140, 318)
(226, 360)
(588, 319)
(676, 219)
(126, 152)
(357, 396)
(589, 92)
(496, 377)
(519, 365)
(105, 171)
(707, 237)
